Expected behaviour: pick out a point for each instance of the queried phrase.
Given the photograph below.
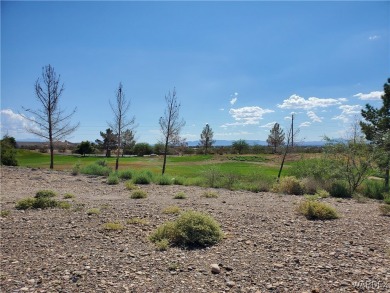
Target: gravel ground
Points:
(267, 246)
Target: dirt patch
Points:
(267, 247)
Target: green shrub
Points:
(212, 175)
(93, 211)
(172, 210)
(178, 181)
(194, 181)
(69, 196)
(102, 163)
(130, 185)
(162, 244)
(290, 185)
(385, 210)
(210, 194)
(44, 203)
(113, 179)
(163, 180)
(339, 189)
(64, 205)
(96, 169)
(125, 174)
(76, 169)
(113, 226)
(387, 198)
(180, 195)
(192, 229)
(142, 178)
(25, 203)
(322, 193)
(5, 213)
(137, 221)
(315, 210)
(373, 189)
(139, 194)
(45, 193)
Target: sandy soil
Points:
(267, 247)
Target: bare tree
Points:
(170, 123)
(120, 108)
(50, 120)
(206, 138)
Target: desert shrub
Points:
(137, 221)
(315, 210)
(373, 189)
(125, 174)
(210, 194)
(172, 210)
(230, 179)
(139, 194)
(93, 211)
(162, 244)
(45, 203)
(322, 193)
(192, 229)
(385, 210)
(311, 184)
(5, 213)
(102, 163)
(130, 185)
(339, 189)
(178, 181)
(289, 185)
(8, 151)
(98, 169)
(64, 205)
(194, 181)
(113, 179)
(180, 195)
(69, 196)
(25, 203)
(45, 193)
(387, 198)
(75, 169)
(163, 180)
(113, 226)
(142, 178)
(212, 176)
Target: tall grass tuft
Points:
(98, 168)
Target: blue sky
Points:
(238, 66)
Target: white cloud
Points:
(15, 124)
(376, 95)
(247, 115)
(347, 112)
(297, 102)
(233, 101)
(225, 134)
(268, 125)
(313, 116)
(373, 37)
(221, 109)
(305, 124)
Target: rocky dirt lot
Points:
(267, 246)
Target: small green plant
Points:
(113, 226)
(130, 185)
(41, 202)
(64, 205)
(139, 194)
(93, 211)
(192, 229)
(113, 179)
(178, 181)
(76, 169)
(373, 189)
(142, 178)
(102, 163)
(387, 198)
(210, 194)
(315, 210)
(45, 194)
(164, 180)
(360, 198)
(137, 221)
(5, 213)
(385, 210)
(162, 244)
(180, 195)
(289, 185)
(212, 176)
(172, 210)
(322, 193)
(125, 174)
(69, 196)
(339, 189)
(97, 169)
(25, 203)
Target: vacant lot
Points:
(267, 247)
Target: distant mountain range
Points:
(254, 142)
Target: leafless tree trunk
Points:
(120, 108)
(50, 121)
(170, 124)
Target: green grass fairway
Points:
(184, 166)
